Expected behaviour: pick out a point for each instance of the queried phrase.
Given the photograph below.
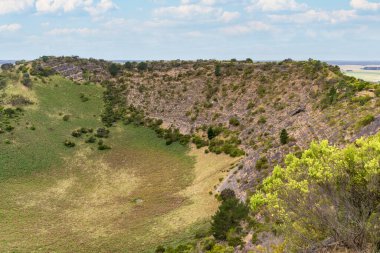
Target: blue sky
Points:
(191, 29)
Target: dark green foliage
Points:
(230, 214)
(102, 133)
(76, 133)
(66, 117)
(330, 97)
(69, 144)
(218, 70)
(142, 66)
(160, 249)
(38, 70)
(284, 137)
(213, 132)
(26, 81)
(227, 194)
(234, 121)
(114, 69)
(249, 60)
(199, 142)
(91, 139)
(7, 66)
(128, 65)
(3, 83)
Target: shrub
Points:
(91, 139)
(366, 120)
(69, 144)
(218, 70)
(114, 69)
(66, 118)
(234, 121)
(230, 214)
(327, 193)
(213, 132)
(102, 133)
(284, 137)
(142, 66)
(262, 163)
(262, 120)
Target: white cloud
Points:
(247, 28)
(10, 27)
(184, 11)
(67, 31)
(92, 8)
(9, 6)
(57, 5)
(228, 16)
(197, 10)
(100, 8)
(276, 5)
(364, 5)
(316, 16)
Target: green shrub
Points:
(327, 193)
(262, 120)
(234, 121)
(66, 118)
(69, 144)
(229, 216)
(366, 120)
(102, 133)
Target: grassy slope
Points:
(128, 199)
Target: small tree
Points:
(114, 69)
(218, 70)
(142, 66)
(284, 137)
(229, 216)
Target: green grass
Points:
(127, 199)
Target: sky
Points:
(191, 29)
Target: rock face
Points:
(311, 100)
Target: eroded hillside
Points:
(248, 103)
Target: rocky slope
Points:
(311, 100)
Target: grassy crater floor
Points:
(137, 195)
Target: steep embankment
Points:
(254, 101)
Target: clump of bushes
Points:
(69, 144)
(102, 146)
(102, 133)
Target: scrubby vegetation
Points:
(328, 193)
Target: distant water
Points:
(353, 63)
(6, 61)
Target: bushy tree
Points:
(230, 214)
(327, 193)
(284, 137)
(218, 70)
(114, 69)
(142, 66)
